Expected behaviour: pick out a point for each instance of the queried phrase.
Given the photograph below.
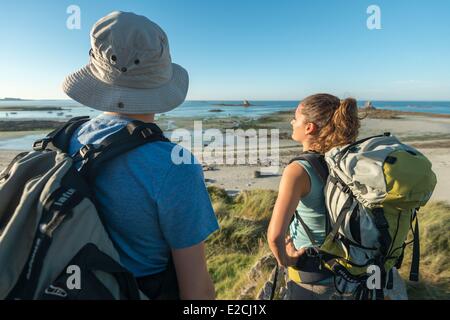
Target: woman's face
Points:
(298, 124)
(300, 128)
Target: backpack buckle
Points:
(146, 133)
(312, 252)
(41, 144)
(87, 150)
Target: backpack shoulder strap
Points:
(133, 135)
(59, 139)
(317, 161)
(307, 229)
(414, 273)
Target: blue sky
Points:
(247, 49)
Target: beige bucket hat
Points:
(130, 68)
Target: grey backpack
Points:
(53, 244)
(373, 190)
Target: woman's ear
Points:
(311, 128)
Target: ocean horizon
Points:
(60, 109)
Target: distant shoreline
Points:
(29, 125)
(37, 109)
(14, 99)
(247, 105)
(386, 114)
(20, 108)
(238, 100)
(13, 125)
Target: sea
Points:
(198, 109)
(202, 109)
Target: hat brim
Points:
(83, 87)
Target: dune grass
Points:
(239, 244)
(434, 226)
(243, 220)
(229, 273)
(241, 241)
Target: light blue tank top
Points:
(312, 210)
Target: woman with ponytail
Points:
(321, 122)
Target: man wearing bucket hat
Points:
(155, 211)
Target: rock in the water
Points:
(369, 106)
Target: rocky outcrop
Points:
(259, 272)
(369, 106)
(245, 103)
(280, 285)
(266, 263)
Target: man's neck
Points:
(149, 118)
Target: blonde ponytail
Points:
(337, 120)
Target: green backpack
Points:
(49, 224)
(374, 189)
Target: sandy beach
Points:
(429, 133)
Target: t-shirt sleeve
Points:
(185, 212)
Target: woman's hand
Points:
(292, 254)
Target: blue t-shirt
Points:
(149, 204)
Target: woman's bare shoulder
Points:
(295, 173)
(295, 169)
